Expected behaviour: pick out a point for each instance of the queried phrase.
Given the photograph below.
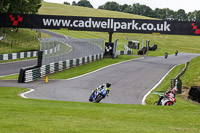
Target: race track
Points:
(130, 81)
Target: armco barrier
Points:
(194, 93)
(35, 73)
(18, 55)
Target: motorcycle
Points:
(168, 99)
(97, 95)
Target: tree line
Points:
(139, 9)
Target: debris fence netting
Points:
(61, 49)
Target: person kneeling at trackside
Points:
(106, 86)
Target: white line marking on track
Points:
(23, 94)
(144, 98)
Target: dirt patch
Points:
(185, 92)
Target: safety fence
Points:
(18, 55)
(69, 48)
(34, 74)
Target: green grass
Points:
(10, 77)
(25, 41)
(42, 116)
(192, 75)
(68, 10)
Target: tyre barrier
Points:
(36, 73)
(142, 51)
(19, 55)
(194, 93)
(21, 78)
(153, 48)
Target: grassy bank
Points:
(192, 75)
(21, 41)
(42, 116)
(69, 10)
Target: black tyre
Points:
(99, 98)
(90, 98)
(156, 103)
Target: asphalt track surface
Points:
(130, 80)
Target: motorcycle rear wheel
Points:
(156, 103)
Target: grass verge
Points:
(42, 116)
(10, 77)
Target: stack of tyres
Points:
(194, 93)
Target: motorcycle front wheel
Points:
(90, 98)
(169, 104)
(99, 98)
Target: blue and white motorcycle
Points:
(98, 94)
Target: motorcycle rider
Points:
(166, 55)
(167, 93)
(107, 86)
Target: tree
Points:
(112, 6)
(180, 15)
(101, 7)
(165, 14)
(20, 6)
(74, 3)
(123, 7)
(66, 3)
(198, 16)
(84, 3)
(128, 9)
(192, 16)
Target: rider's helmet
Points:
(175, 89)
(108, 85)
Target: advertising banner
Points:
(121, 25)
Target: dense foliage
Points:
(84, 3)
(20, 6)
(165, 14)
